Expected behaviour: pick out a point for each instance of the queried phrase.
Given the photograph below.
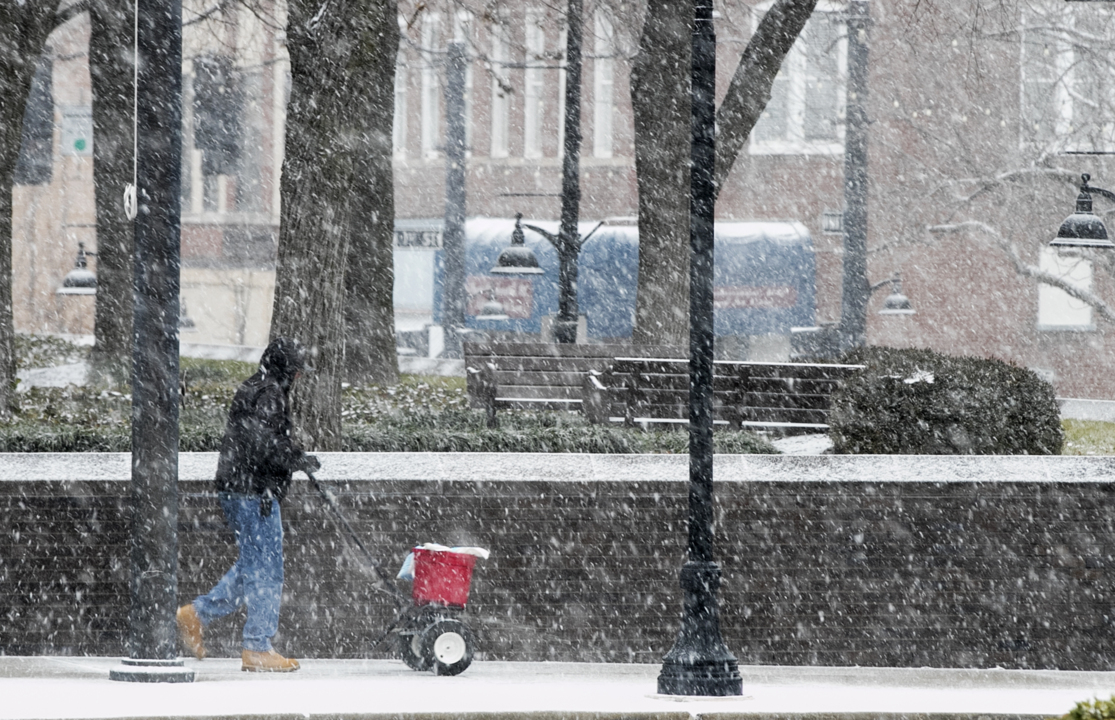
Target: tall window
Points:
(399, 124)
(1057, 310)
(533, 79)
(36, 148)
(462, 33)
(805, 114)
(431, 88)
(1068, 77)
(501, 93)
(603, 73)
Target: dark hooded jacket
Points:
(258, 453)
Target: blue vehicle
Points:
(764, 279)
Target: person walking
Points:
(257, 460)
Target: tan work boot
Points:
(190, 629)
(270, 661)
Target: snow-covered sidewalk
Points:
(79, 688)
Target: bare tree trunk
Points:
(111, 70)
(660, 97)
(370, 354)
(331, 47)
(25, 29)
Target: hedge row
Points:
(436, 432)
(922, 402)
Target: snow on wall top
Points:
(553, 467)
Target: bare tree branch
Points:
(1025, 269)
(749, 91)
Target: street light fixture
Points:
(517, 259)
(896, 303)
(80, 280)
(1084, 229)
(492, 309)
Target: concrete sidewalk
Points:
(54, 687)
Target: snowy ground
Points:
(803, 445)
(79, 688)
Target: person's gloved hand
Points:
(308, 464)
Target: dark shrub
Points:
(923, 402)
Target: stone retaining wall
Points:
(827, 560)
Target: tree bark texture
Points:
(749, 91)
(23, 38)
(370, 355)
(111, 69)
(331, 47)
(660, 98)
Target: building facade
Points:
(978, 122)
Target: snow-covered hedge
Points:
(922, 402)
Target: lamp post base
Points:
(151, 671)
(564, 331)
(700, 663)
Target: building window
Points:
(399, 124)
(501, 94)
(805, 115)
(1067, 78)
(1057, 310)
(533, 80)
(431, 88)
(603, 82)
(218, 102)
(36, 146)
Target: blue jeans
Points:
(256, 580)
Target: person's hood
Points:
(282, 360)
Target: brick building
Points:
(971, 113)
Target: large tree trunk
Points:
(370, 355)
(25, 27)
(331, 48)
(660, 97)
(111, 69)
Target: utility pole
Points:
(153, 637)
(700, 663)
(856, 291)
(453, 234)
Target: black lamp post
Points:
(568, 241)
(853, 315)
(453, 237)
(700, 663)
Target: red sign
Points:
(750, 296)
(516, 295)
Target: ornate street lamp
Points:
(567, 242)
(492, 309)
(80, 280)
(1084, 229)
(517, 259)
(699, 662)
(896, 303)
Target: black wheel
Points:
(447, 646)
(410, 650)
